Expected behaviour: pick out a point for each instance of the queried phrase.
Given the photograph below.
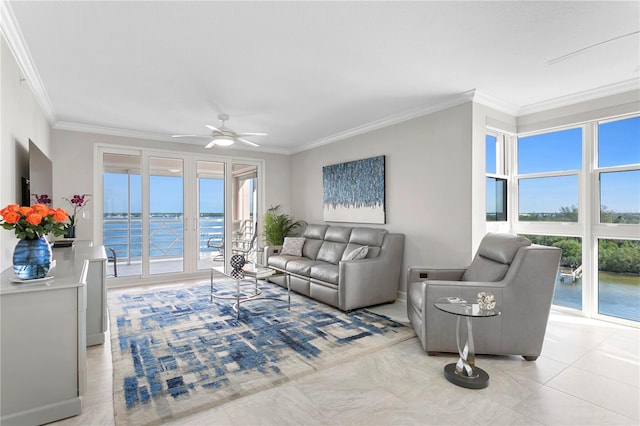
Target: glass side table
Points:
(464, 372)
(257, 272)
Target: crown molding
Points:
(495, 103)
(135, 134)
(11, 31)
(587, 95)
(449, 102)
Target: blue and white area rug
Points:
(175, 352)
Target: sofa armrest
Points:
(367, 282)
(270, 251)
(363, 282)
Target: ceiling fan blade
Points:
(247, 142)
(189, 136)
(242, 135)
(214, 128)
(210, 144)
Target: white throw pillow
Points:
(292, 246)
(359, 253)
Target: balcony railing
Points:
(166, 236)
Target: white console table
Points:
(44, 337)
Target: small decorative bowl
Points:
(486, 301)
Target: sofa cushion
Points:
(355, 254)
(315, 231)
(281, 261)
(339, 234)
(325, 272)
(331, 252)
(292, 246)
(311, 247)
(367, 236)
(301, 266)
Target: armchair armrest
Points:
(420, 273)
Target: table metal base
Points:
(479, 381)
(242, 296)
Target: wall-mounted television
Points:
(40, 179)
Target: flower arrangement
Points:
(33, 222)
(77, 202)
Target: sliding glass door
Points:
(211, 217)
(175, 214)
(167, 225)
(122, 213)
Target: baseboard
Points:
(44, 414)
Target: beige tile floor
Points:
(588, 374)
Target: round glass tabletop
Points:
(458, 306)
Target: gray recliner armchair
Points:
(520, 275)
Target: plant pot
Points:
(32, 259)
(70, 232)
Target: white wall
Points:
(73, 161)
(21, 119)
(428, 184)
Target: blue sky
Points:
(166, 194)
(619, 144)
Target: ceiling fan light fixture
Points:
(222, 140)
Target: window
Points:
(549, 199)
(578, 189)
(496, 180)
(549, 165)
(568, 291)
(619, 171)
(619, 278)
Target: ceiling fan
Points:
(222, 135)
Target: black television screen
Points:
(40, 181)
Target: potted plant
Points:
(77, 203)
(279, 225)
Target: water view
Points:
(124, 234)
(618, 294)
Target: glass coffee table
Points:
(257, 272)
(464, 372)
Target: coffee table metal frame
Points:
(464, 372)
(257, 272)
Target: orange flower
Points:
(30, 222)
(11, 216)
(41, 209)
(10, 208)
(60, 215)
(34, 219)
(26, 210)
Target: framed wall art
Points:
(355, 191)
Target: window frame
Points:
(588, 227)
(501, 171)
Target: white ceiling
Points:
(308, 73)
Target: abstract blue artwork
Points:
(355, 191)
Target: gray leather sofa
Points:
(520, 275)
(322, 273)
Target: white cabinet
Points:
(44, 336)
(96, 257)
